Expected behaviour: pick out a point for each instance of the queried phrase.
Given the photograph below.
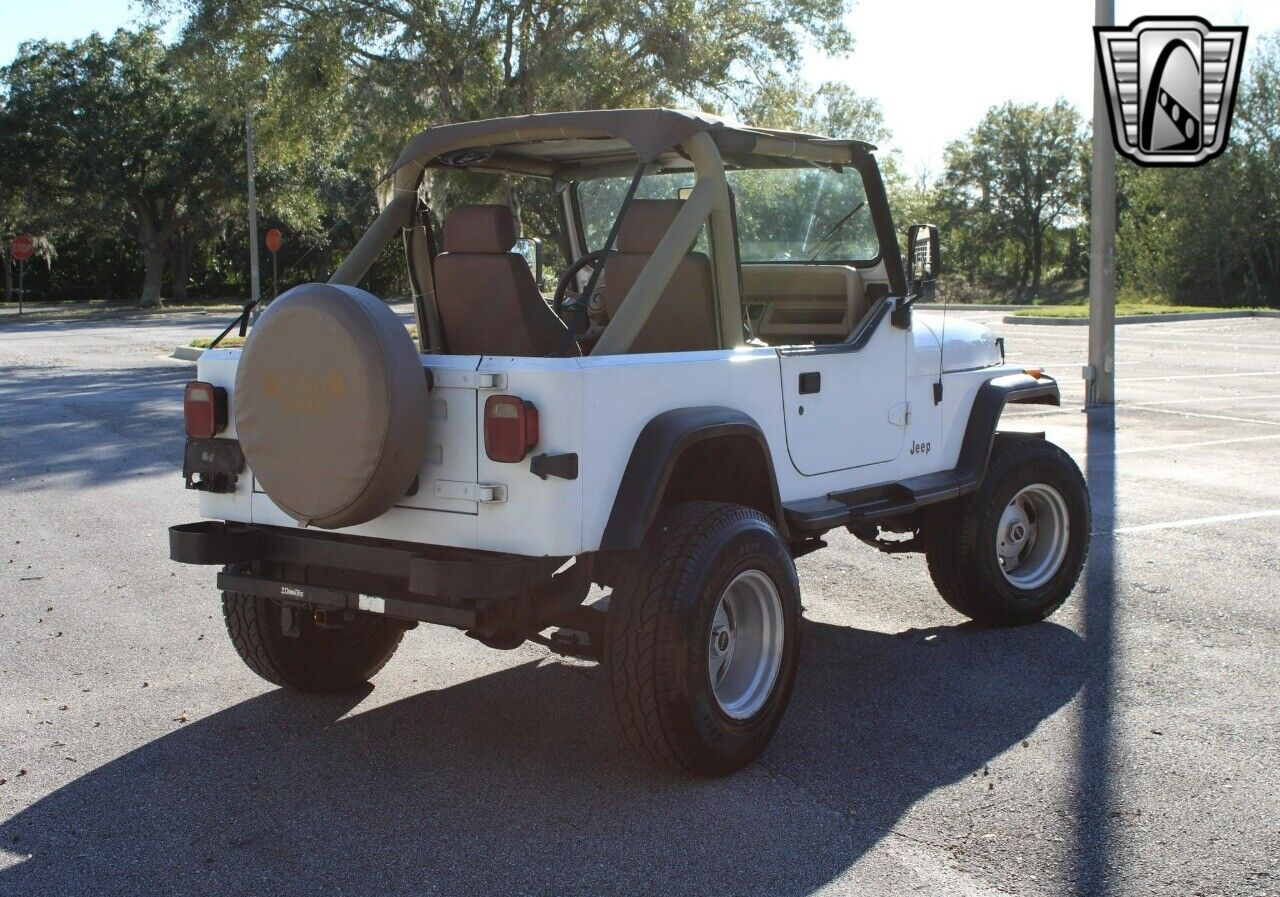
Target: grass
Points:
(231, 341)
(1122, 309)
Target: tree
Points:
(1211, 234)
(414, 64)
(831, 108)
(393, 67)
(1015, 177)
(1257, 137)
(110, 130)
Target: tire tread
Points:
(952, 539)
(645, 628)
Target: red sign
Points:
(274, 240)
(21, 248)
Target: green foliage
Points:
(832, 109)
(410, 64)
(1009, 187)
(352, 80)
(1211, 234)
(126, 157)
(108, 134)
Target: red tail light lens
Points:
(204, 408)
(510, 428)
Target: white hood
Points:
(968, 345)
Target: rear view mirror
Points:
(531, 249)
(924, 253)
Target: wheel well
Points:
(730, 468)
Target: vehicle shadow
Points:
(95, 426)
(516, 782)
(60, 322)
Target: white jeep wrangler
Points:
(731, 367)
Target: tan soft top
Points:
(552, 143)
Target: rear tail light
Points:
(510, 428)
(204, 408)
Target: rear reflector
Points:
(204, 409)
(510, 428)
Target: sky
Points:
(934, 65)
(937, 65)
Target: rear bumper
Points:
(313, 560)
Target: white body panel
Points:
(856, 417)
(970, 346)
(597, 407)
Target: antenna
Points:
(925, 257)
(942, 348)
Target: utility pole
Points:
(1100, 374)
(253, 206)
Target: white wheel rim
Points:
(1032, 536)
(744, 649)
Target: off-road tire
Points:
(657, 632)
(319, 661)
(960, 536)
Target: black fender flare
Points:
(984, 418)
(654, 457)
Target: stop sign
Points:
(21, 248)
(274, 240)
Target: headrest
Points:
(646, 223)
(479, 229)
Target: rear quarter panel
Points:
(539, 517)
(622, 393)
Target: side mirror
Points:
(924, 255)
(531, 249)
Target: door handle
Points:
(810, 382)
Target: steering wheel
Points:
(562, 288)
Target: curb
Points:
(969, 306)
(1143, 319)
(187, 353)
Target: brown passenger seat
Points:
(488, 302)
(684, 319)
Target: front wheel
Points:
(1011, 552)
(703, 639)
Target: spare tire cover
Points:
(331, 405)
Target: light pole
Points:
(253, 207)
(1100, 374)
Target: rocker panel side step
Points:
(817, 515)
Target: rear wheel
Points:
(1011, 552)
(703, 639)
(315, 659)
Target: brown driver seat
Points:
(684, 319)
(485, 294)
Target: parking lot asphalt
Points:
(1126, 746)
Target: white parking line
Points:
(1073, 362)
(1222, 399)
(1234, 420)
(1202, 376)
(1185, 445)
(1195, 521)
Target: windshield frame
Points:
(871, 187)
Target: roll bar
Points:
(709, 201)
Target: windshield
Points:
(784, 214)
